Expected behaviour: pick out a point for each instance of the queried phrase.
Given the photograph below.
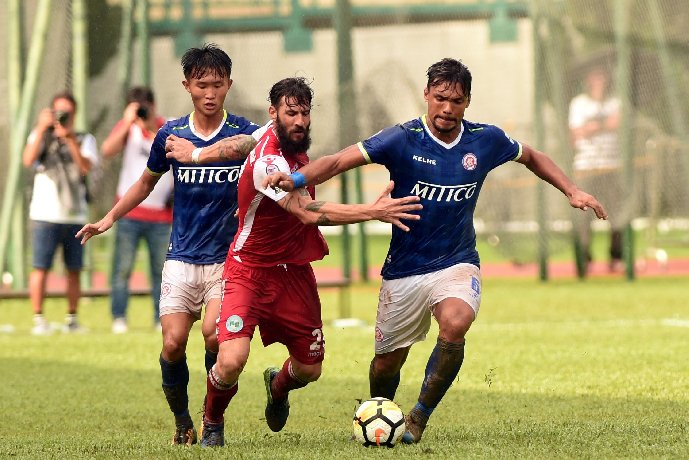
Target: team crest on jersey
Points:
(379, 335)
(234, 323)
(469, 161)
(165, 290)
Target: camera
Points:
(142, 112)
(62, 117)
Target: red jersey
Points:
(267, 234)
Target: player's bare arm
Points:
(384, 209)
(320, 170)
(134, 196)
(545, 168)
(232, 148)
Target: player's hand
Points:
(178, 149)
(89, 230)
(584, 201)
(279, 180)
(393, 210)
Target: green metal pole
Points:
(346, 108)
(672, 91)
(556, 71)
(80, 75)
(144, 41)
(343, 25)
(539, 136)
(624, 89)
(21, 127)
(124, 73)
(80, 63)
(14, 81)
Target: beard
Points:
(444, 130)
(288, 146)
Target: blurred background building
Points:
(367, 61)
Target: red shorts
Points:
(283, 301)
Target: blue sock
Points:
(209, 360)
(175, 382)
(427, 411)
(441, 370)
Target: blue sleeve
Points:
(157, 162)
(247, 127)
(381, 147)
(504, 147)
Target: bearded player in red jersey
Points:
(268, 277)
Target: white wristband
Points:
(195, 155)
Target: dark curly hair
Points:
(451, 72)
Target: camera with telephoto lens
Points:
(142, 112)
(61, 117)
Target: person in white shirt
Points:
(594, 117)
(61, 158)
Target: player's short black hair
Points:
(449, 71)
(197, 62)
(140, 94)
(65, 95)
(295, 88)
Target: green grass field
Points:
(557, 370)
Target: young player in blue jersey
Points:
(433, 270)
(205, 201)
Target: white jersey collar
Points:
(438, 141)
(211, 135)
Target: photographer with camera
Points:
(61, 158)
(151, 220)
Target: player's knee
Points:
(308, 373)
(386, 367)
(454, 328)
(174, 347)
(230, 365)
(210, 340)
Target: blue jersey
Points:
(448, 178)
(205, 196)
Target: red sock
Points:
(218, 397)
(285, 382)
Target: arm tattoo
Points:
(236, 148)
(246, 146)
(314, 206)
(324, 220)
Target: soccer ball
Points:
(378, 422)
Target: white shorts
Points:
(405, 305)
(187, 287)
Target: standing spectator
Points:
(594, 117)
(152, 219)
(61, 158)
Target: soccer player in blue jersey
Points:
(205, 201)
(433, 270)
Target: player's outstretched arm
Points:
(541, 165)
(232, 148)
(134, 196)
(384, 209)
(319, 170)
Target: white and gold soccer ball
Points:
(378, 422)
